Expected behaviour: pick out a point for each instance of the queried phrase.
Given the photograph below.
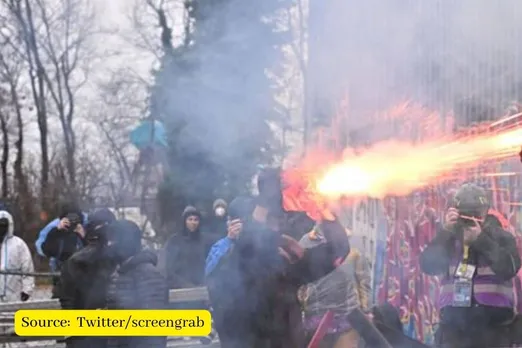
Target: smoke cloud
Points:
(438, 53)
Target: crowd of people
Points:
(273, 276)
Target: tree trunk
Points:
(39, 98)
(5, 157)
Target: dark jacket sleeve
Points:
(315, 264)
(319, 260)
(69, 296)
(54, 243)
(151, 289)
(499, 248)
(60, 244)
(436, 258)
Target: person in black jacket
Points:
(85, 275)
(61, 238)
(264, 270)
(185, 253)
(137, 283)
(477, 260)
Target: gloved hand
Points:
(24, 297)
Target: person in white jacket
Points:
(15, 257)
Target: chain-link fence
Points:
(41, 299)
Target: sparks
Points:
(399, 168)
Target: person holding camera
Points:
(477, 260)
(61, 238)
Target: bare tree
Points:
(54, 36)
(4, 162)
(11, 68)
(170, 17)
(20, 15)
(122, 104)
(67, 27)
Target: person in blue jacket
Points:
(56, 244)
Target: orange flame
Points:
(399, 168)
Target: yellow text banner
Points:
(112, 322)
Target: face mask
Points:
(220, 211)
(3, 232)
(4, 228)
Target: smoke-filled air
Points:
(261, 174)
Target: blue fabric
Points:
(42, 236)
(218, 250)
(141, 135)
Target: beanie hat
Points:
(190, 211)
(68, 208)
(219, 203)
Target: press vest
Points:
(488, 289)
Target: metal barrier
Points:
(8, 309)
(175, 296)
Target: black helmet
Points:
(471, 198)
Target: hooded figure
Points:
(14, 256)
(341, 291)
(85, 275)
(218, 223)
(185, 253)
(263, 271)
(137, 283)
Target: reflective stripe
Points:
(481, 271)
(497, 295)
(483, 288)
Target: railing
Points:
(8, 309)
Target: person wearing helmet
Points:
(477, 260)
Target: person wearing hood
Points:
(341, 291)
(218, 222)
(265, 268)
(137, 283)
(15, 256)
(185, 253)
(85, 275)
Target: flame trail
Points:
(399, 168)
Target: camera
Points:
(469, 218)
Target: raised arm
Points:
(42, 236)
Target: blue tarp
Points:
(141, 135)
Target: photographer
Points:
(477, 260)
(61, 238)
(85, 275)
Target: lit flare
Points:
(399, 168)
